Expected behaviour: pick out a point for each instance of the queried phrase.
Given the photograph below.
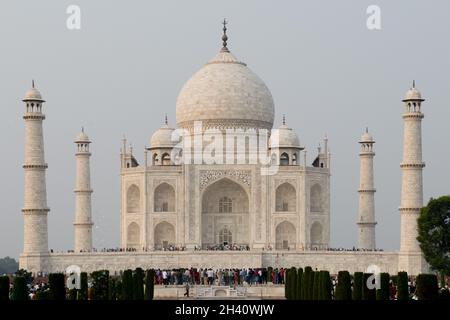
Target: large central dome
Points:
(225, 93)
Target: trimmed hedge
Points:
(44, 295)
(357, 286)
(316, 285)
(344, 286)
(383, 292)
(149, 284)
(325, 285)
(83, 292)
(427, 287)
(138, 284)
(298, 295)
(100, 284)
(293, 283)
(402, 286)
(4, 288)
(112, 292)
(20, 290)
(367, 294)
(119, 289)
(307, 283)
(57, 286)
(127, 285)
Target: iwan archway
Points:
(225, 214)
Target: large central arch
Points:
(225, 210)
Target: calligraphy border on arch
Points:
(209, 176)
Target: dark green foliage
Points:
(287, 282)
(307, 283)
(444, 294)
(434, 233)
(8, 265)
(368, 294)
(149, 284)
(316, 286)
(325, 286)
(57, 286)
(73, 294)
(298, 295)
(44, 295)
(292, 283)
(383, 292)
(24, 273)
(357, 286)
(127, 285)
(112, 293)
(100, 284)
(427, 287)
(119, 289)
(83, 291)
(138, 284)
(343, 287)
(20, 290)
(402, 286)
(4, 288)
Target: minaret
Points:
(411, 166)
(35, 208)
(366, 217)
(83, 221)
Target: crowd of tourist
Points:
(220, 277)
(222, 247)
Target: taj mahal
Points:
(223, 188)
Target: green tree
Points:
(307, 283)
(434, 234)
(316, 286)
(367, 294)
(4, 288)
(383, 292)
(57, 286)
(20, 290)
(8, 265)
(402, 286)
(127, 285)
(427, 287)
(325, 285)
(112, 293)
(100, 284)
(119, 289)
(292, 283)
(25, 274)
(138, 284)
(357, 286)
(343, 287)
(298, 295)
(83, 292)
(149, 284)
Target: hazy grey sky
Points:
(123, 70)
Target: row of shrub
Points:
(131, 285)
(316, 285)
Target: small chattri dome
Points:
(284, 137)
(366, 137)
(162, 138)
(33, 95)
(82, 137)
(413, 94)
